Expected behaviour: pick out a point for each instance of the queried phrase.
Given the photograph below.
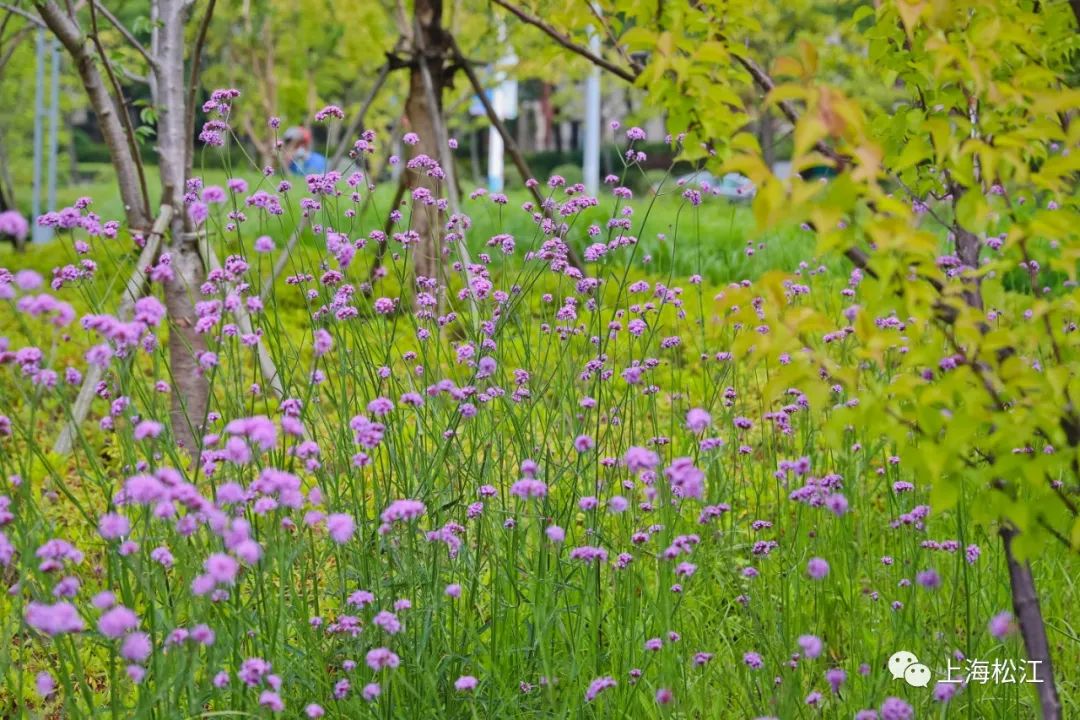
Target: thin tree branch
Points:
(567, 43)
(13, 41)
(129, 129)
(757, 73)
(141, 79)
(132, 40)
(70, 35)
(283, 258)
(508, 139)
(1057, 535)
(357, 123)
(766, 83)
(634, 64)
(29, 17)
(860, 259)
(380, 251)
(193, 80)
(267, 367)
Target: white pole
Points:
(503, 101)
(590, 167)
(496, 167)
(36, 231)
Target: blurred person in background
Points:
(300, 158)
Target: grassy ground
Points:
(712, 242)
(700, 608)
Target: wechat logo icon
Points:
(905, 665)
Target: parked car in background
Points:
(732, 185)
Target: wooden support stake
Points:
(133, 291)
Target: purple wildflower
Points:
(599, 685)
(817, 568)
(341, 527)
(896, 709)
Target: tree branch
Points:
(193, 80)
(115, 22)
(1032, 628)
(29, 17)
(567, 43)
(634, 64)
(339, 153)
(127, 171)
(508, 139)
(118, 92)
(13, 40)
(757, 73)
(380, 251)
(283, 258)
(141, 79)
(266, 363)
(766, 84)
(357, 123)
(133, 290)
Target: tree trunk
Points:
(1032, 628)
(428, 35)
(190, 387)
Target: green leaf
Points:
(944, 494)
(972, 211)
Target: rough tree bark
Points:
(1032, 628)
(427, 34)
(190, 387)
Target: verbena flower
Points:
(117, 621)
(56, 619)
(598, 686)
(817, 568)
(381, 658)
(340, 527)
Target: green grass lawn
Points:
(712, 240)
(672, 606)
